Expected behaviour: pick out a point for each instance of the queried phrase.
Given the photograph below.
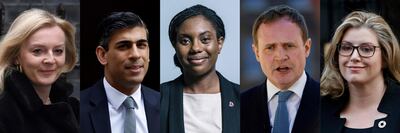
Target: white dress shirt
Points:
(292, 103)
(202, 113)
(117, 111)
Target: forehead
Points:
(132, 33)
(46, 36)
(360, 35)
(197, 23)
(279, 31)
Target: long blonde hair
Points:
(332, 82)
(25, 25)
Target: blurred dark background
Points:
(250, 70)
(333, 12)
(66, 9)
(92, 12)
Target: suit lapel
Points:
(151, 109)
(264, 110)
(308, 115)
(230, 106)
(99, 115)
(176, 108)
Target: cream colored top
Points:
(202, 113)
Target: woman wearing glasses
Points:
(360, 81)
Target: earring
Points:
(19, 68)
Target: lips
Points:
(47, 71)
(355, 68)
(197, 59)
(282, 69)
(135, 68)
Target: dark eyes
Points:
(40, 51)
(123, 45)
(187, 41)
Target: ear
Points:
(101, 54)
(307, 47)
(255, 50)
(220, 43)
(16, 61)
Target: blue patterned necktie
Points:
(130, 117)
(281, 122)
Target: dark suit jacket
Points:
(254, 110)
(94, 109)
(172, 106)
(22, 111)
(331, 108)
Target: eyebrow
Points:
(276, 43)
(358, 43)
(187, 35)
(43, 45)
(130, 42)
(206, 32)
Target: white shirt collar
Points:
(116, 98)
(297, 87)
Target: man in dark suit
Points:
(118, 103)
(289, 100)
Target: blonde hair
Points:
(332, 82)
(24, 26)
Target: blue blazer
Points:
(94, 115)
(254, 110)
(331, 108)
(172, 106)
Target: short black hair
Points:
(117, 21)
(278, 12)
(196, 10)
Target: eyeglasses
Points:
(364, 50)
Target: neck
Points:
(43, 92)
(127, 89)
(206, 83)
(363, 95)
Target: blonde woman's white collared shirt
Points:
(293, 102)
(117, 111)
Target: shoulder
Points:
(10, 113)
(167, 84)
(311, 83)
(150, 92)
(255, 92)
(84, 94)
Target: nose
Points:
(355, 56)
(281, 54)
(49, 59)
(196, 47)
(134, 52)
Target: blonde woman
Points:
(37, 48)
(359, 83)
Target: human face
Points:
(356, 69)
(127, 59)
(42, 56)
(281, 52)
(197, 46)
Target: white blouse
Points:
(202, 113)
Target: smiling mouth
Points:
(135, 68)
(47, 72)
(355, 68)
(197, 60)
